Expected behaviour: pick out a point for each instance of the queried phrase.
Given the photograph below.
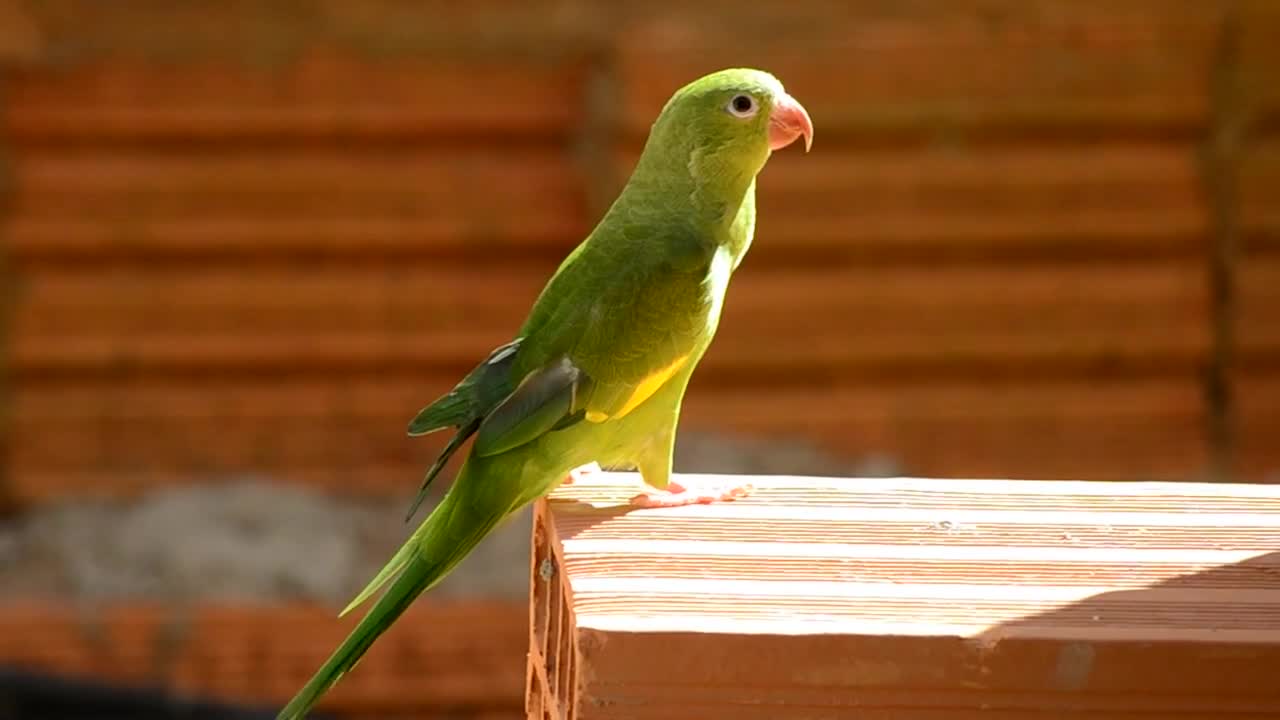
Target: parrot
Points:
(596, 374)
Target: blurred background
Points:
(244, 242)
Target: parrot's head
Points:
(722, 127)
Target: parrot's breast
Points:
(650, 385)
(721, 270)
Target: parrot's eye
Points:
(742, 106)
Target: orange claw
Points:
(677, 495)
(580, 472)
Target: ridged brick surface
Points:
(911, 599)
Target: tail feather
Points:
(446, 536)
(388, 571)
(459, 437)
(464, 407)
(472, 398)
(448, 411)
(415, 578)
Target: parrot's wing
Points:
(541, 402)
(464, 407)
(471, 398)
(442, 459)
(630, 329)
(393, 566)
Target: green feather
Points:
(449, 449)
(465, 407)
(473, 397)
(538, 404)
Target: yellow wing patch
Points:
(643, 391)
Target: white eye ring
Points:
(743, 106)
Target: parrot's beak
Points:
(788, 121)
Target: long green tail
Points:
(447, 535)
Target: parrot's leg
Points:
(578, 473)
(655, 469)
(676, 495)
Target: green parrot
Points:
(596, 374)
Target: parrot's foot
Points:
(676, 495)
(580, 472)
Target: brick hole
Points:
(541, 601)
(554, 629)
(533, 695)
(565, 652)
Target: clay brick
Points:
(194, 301)
(359, 203)
(249, 355)
(985, 204)
(910, 599)
(458, 657)
(122, 644)
(847, 320)
(1047, 429)
(21, 40)
(151, 432)
(254, 34)
(321, 95)
(1256, 393)
(1258, 323)
(63, 644)
(363, 237)
(422, 183)
(1259, 194)
(439, 655)
(1256, 329)
(1258, 55)
(990, 67)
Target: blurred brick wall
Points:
(1251, 139)
(257, 240)
(443, 661)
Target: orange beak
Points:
(788, 121)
